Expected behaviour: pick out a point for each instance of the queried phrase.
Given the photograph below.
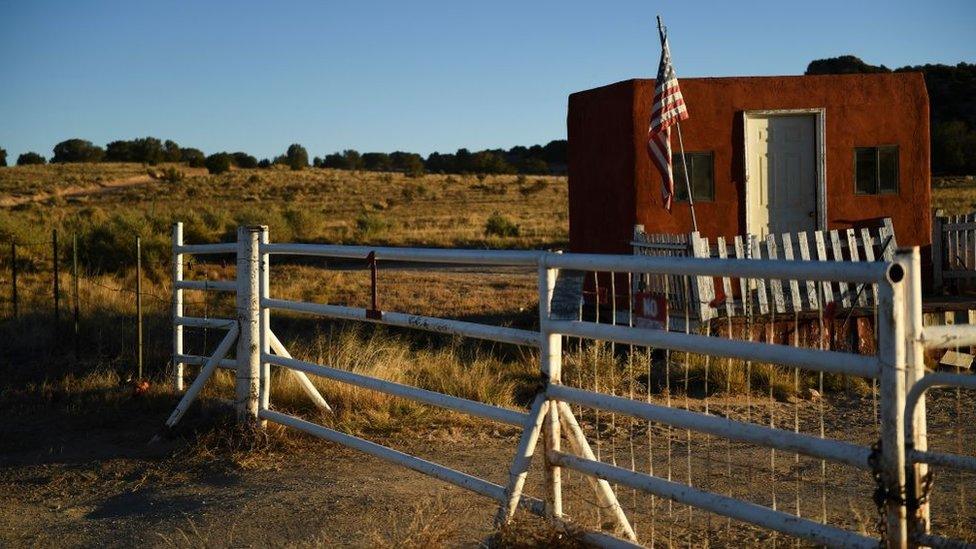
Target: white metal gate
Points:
(898, 461)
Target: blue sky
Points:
(417, 76)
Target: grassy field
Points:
(75, 461)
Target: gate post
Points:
(891, 360)
(249, 319)
(265, 287)
(177, 307)
(550, 355)
(918, 512)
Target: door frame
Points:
(820, 153)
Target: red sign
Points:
(651, 310)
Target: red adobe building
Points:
(765, 155)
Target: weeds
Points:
(499, 225)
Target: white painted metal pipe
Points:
(226, 363)
(605, 495)
(942, 459)
(867, 272)
(303, 381)
(949, 336)
(208, 249)
(834, 450)
(208, 285)
(523, 458)
(550, 359)
(177, 311)
(786, 355)
(471, 407)
(446, 474)
(249, 317)
(916, 434)
(197, 322)
(428, 323)
(425, 255)
(930, 381)
(719, 504)
(264, 290)
(891, 407)
(208, 369)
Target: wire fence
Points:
(119, 315)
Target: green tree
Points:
(172, 151)
(219, 163)
(297, 157)
(3, 158)
(77, 150)
(377, 162)
(118, 151)
(30, 159)
(244, 160)
(193, 157)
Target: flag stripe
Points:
(667, 109)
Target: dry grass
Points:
(313, 204)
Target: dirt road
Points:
(76, 191)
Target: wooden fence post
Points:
(249, 319)
(74, 290)
(57, 284)
(937, 250)
(139, 303)
(13, 276)
(703, 288)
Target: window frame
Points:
(877, 169)
(680, 183)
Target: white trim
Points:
(820, 116)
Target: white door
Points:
(782, 172)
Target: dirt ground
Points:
(71, 476)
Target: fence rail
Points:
(953, 248)
(899, 460)
(732, 295)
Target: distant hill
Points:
(952, 107)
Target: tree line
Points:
(952, 110)
(537, 159)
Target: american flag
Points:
(669, 108)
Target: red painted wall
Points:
(613, 184)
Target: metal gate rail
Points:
(551, 418)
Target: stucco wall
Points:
(861, 110)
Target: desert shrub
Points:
(499, 225)
(3, 157)
(370, 225)
(172, 175)
(218, 163)
(538, 185)
(413, 190)
(30, 158)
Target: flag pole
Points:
(684, 163)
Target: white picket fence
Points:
(953, 248)
(900, 460)
(771, 296)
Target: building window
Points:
(701, 176)
(876, 170)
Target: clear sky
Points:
(417, 76)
